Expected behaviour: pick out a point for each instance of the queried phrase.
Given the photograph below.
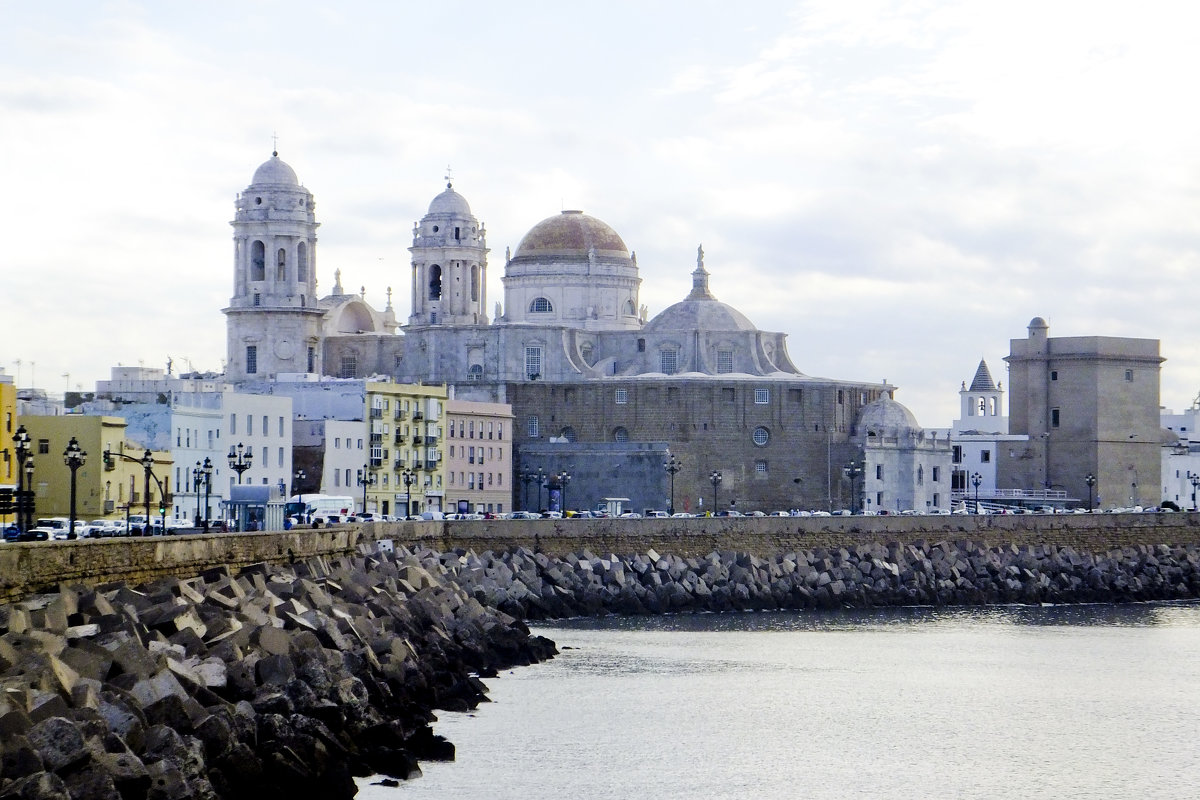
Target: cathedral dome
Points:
(702, 315)
(886, 417)
(275, 172)
(450, 202)
(571, 234)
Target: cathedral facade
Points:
(570, 347)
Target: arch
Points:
(475, 283)
(629, 309)
(302, 262)
(568, 433)
(258, 261)
(281, 265)
(541, 305)
(619, 434)
(435, 282)
(475, 372)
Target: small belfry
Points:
(449, 264)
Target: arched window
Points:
(629, 309)
(281, 265)
(540, 305)
(567, 433)
(258, 261)
(475, 283)
(475, 372)
(620, 435)
(435, 282)
(302, 262)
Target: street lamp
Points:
(202, 473)
(365, 478)
(715, 479)
(976, 479)
(240, 459)
(526, 477)
(853, 470)
(298, 488)
(564, 478)
(672, 465)
(541, 484)
(147, 462)
(1195, 481)
(409, 477)
(74, 458)
(24, 488)
(1090, 480)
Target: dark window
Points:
(435, 282)
(985, 456)
(251, 359)
(1053, 374)
(1054, 418)
(878, 472)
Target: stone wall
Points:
(26, 568)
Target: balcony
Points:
(431, 465)
(400, 464)
(418, 441)
(376, 413)
(376, 438)
(418, 414)
(431, 440)
(400, 414)
(375, 462)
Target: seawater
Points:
(1013, 702)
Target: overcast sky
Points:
(899, 187)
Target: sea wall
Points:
(32, 567)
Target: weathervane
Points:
(448, 185)
(274, 144)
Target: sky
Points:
(899, 187)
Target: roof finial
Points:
(448, 184)
(700, 290)
(274, 144)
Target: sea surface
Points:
(1013, 702)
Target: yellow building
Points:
(101, 490)
(404, 464)
(8, 458)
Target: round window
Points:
(761, 436)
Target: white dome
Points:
(450, 202)
(886, 417)
(275, 172)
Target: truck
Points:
(319, 509)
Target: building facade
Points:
(1089, 405)
(478, 449)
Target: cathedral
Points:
(600, 390)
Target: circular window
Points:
(620, 435)
(761, 436)
(258, 201)
(435, 228)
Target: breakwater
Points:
(294, 678)
(273, 682)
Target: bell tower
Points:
(273, 321)
(449, 264)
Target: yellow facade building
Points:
(101, 490)
(404, 472)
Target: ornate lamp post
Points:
(409, 477)
(715, 480)
(976, 479)
(365, 478)
(564, 478)
(206, 469)
(541, 484)
(298, 488)
(74, 458)
(240, 459)
(24, 487)
(527, 477)
(853, 470)
(672, 465)
(147, 462)
(1090, 480)
(1195, 481)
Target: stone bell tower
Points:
(449, 264)
(273, 321)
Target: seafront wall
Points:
(32, 567)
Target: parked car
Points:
(56, 527)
